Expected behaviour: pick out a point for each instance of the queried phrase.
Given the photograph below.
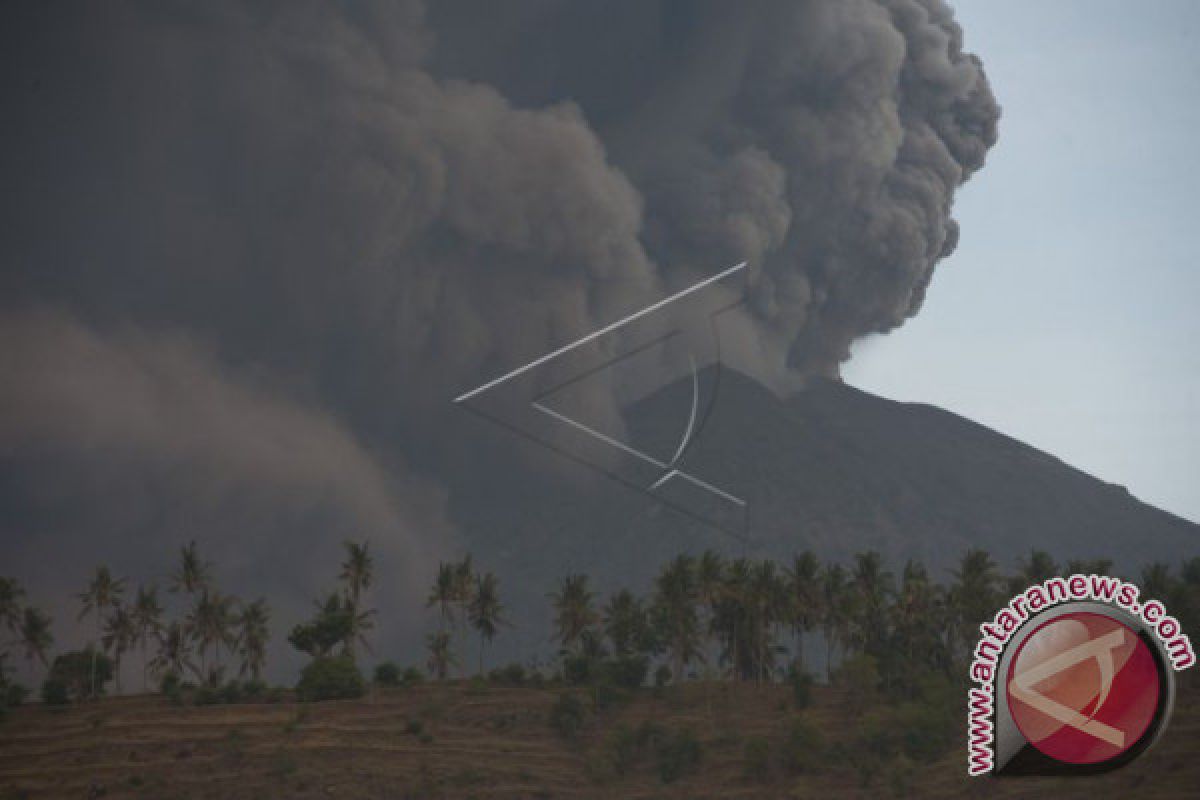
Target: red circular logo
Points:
(1083, 688)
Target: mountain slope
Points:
(832, 469)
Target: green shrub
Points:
(567, 715)
(330, 678)
(679, 754)
(414, 727)
(804, 747)
(169, 684)
(387, 674)
(628, 672)
(802, 684)
(54, 692)
(756, 759)
(662, 676)
(578, 670)
(77, 669)
(255, 689)
(412, 676)
(14, 695)
(509, 675)
(206, 696)
(231, 692)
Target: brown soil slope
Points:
(487, 743)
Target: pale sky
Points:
(1068, 315)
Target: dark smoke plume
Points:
(251, 249)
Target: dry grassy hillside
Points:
(458, 741)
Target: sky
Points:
(1067, 316)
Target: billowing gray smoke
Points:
(250, 250)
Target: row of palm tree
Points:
(743, 619)
(740, 617)
(463, 598)
(209, 621)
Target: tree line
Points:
(704, 616)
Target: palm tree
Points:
(252, 633)
(731, 620)
(464, 589)
(1039, 567)
(973, 596)
(485, 611)
(871, 587)
(675, 598)
(209, 624)
(1156, 581)
(574, 612)
(357, 570)
(443, 593)
(147, 619)
(34, 636)
(194, 574)
(441, 657)
(11, 596)
(120, 632)
(174, 652)
(805, 596)
(104, 592)
(625, 623)
(833, 611)
(710, 575)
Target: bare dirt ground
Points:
(455, 741)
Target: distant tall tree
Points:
(147, 620)
(833, 611)
(485, 611)
(174, 653)
(625, 623)
(441, 657)
(103, 592)
(441, 595)
(710, 577)
(210, 622)
(918, 625)
(973, 595)
(731, 618)
(194, 574)
(34, 635)
(871, 587)
(1156, 582)
(464, 590)
(356, 575)
(11, 597)
(1038, 567)
(120, 632)
(804, 595)
(574, 610)
(357, 570)
(674, 601)
(251, 634)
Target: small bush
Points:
(231, 692)
(628, 672)
(679, 754)
(14, 695)
(206, 696)
(330, 678)
(802, 684)
(412, 676)
(567, 715)
(508, 675)
(169, 684)
(804, 748)
(578, 670)
(387, 674)
(255, 689)
(756, 759)
(662, 676)
(414, 727)
(54, 692)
